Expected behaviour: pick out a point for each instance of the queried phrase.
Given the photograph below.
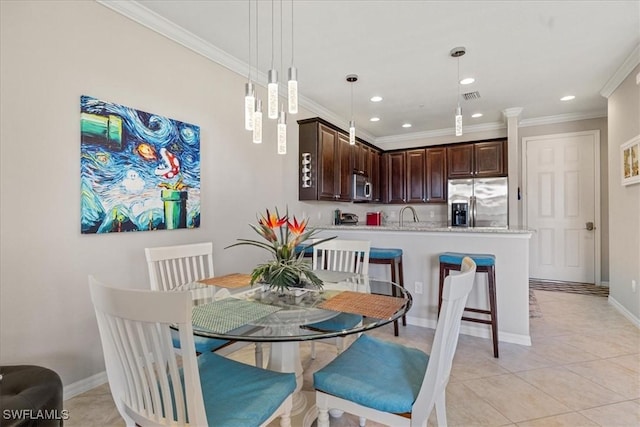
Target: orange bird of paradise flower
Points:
(268, 223)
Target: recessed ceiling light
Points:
(374, 119)
(567, 98)
(476, 115)
(376, 98)
(406, 125)
(467, 81)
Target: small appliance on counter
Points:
(344, 218)
(374, 218)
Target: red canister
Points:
(374, 218)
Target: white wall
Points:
(624, 202)
(51, 53)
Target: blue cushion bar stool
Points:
(393, 258)
(485, 263)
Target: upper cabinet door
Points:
(436, 179)
(344, 172)
(416, 171)
(395, 168)
(460, 161)
(490, 159)
(327, 167)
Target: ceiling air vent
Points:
(470, 96)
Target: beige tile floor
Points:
(583, 369)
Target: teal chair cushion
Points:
(375, 373)
(384, 253)
(239, 395)
(481, 260)
(340, 322)
(203, 344)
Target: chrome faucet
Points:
(415, 215)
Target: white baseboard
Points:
(474, 331)
(623, 310)
(83, 385)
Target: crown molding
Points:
(623, 71)
(561, 118)
(438, 132)
(512, 112)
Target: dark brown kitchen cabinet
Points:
(476, 160)
(436, 176)
(416, 172)
(415, 176)
(394, 179)
(375, 173)
(329, 169)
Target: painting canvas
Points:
(630, 152)
(139, 171)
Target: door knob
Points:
(590, 226)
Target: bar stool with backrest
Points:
(485, 263)
(393, 258)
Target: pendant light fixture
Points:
(249, 89)
(257, 114)
(257, 123)
(292, 85)
(272, 74)
(457, 52)
(282, 117)
(352, 78)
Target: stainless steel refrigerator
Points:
(478, 202)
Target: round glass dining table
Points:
(258, 314)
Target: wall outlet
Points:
(633, 285)
(418, 286)
(432, 214)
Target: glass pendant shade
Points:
(257, 123)
(282, 133)
(272, 91)
(293, 90)
(249, 105)
(352, 132)
(458, 121)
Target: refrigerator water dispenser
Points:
(459, 214)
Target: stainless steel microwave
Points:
(361, 188)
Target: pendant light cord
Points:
(291, 32)
(458, 82)
(250, 55)
(272, 33)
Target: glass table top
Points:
(260, 314)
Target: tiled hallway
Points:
(583, 369)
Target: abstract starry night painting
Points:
(139, 171)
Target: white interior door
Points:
(560, 194)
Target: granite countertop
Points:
(427, 227)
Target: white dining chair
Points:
(349, 256)
(172, 266)
(152, 385)
(393, 384)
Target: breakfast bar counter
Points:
(422, 243)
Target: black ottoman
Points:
(30, 396)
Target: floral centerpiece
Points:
(287, 269)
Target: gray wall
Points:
(624, 202)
